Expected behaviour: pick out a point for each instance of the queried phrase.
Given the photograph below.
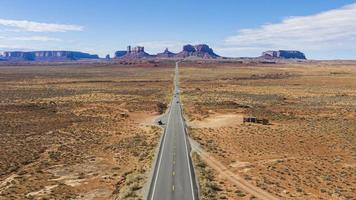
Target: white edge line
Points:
(186, 147)
(160, 159)
(190, 175)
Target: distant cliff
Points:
(119, 54)
(166, 54)
(201, 50)
(19, 55)
(284, 54)
(47, 55)
(132, 53)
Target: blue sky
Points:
(323, 29)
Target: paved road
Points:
(173, 178)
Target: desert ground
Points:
(85, 130)
(308, 149)
(79, 131)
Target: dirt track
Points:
(229, 175)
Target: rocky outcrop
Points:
(201, 50)
(284, 54)
(137, 52)
(119, 54)
(166, 54)
(47, 55)
(19, 55)
(63, 55)
(189, 48)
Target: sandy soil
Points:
(308, 150)
(217, 120)
(79, 132)
(83, 131)
(223, 172)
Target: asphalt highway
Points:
(173, 178)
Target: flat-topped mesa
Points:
(132, 53)
(284, 54)
(47, 55)
(2, 58)
(19, 55)
(63, 55)
(201, 50)
(119, 54)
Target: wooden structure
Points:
(255, 120)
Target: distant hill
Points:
(119, 54)
(200, 51)
(194, 52)
(284, 54)
(46, 55)
(137, 52)
(166, 54)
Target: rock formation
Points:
(47, 55)
(187, 51)
(119, 54)
(201, 50)
(132, 53)
(166, 54)
(284, 54)
(19, 55)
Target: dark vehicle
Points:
(160, 122)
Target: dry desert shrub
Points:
(308, 150)
(69, 124)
